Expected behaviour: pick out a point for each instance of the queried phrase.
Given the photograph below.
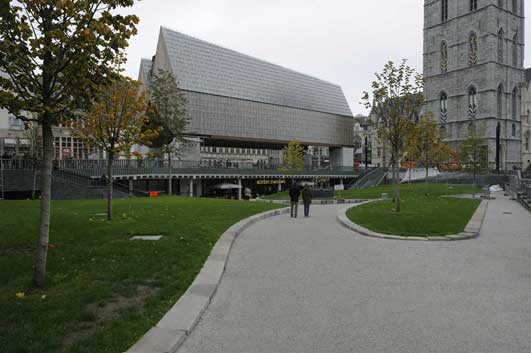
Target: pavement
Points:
(311, 285)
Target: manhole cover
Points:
(507, 213)
(147, 237)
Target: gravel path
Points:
(312, 286)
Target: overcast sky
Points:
(341, 41)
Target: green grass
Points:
(103, 291)
(406, 189)
(425, 212)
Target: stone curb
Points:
(171, 331)
(315, 202)
(471, 230)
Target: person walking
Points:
(307, 199)
(294, 193)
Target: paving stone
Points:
(159, 340)
(185, 313)
(147, 237)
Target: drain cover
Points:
(147, 237)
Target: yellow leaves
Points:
(20, 295)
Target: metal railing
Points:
(98, 168)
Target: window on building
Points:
(528, 141)
(515, 6)
(499, 101)
(444, 10)
(513, 130)
(515, 49)
(444, 107)
(472, 103)
(444, 57)
(500, 46)
(473, 5)
(473, 48)
(500, 4)
(528, 118)
(515, 104)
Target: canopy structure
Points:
(227, 186)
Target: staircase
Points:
(371, 179)
(67, 185)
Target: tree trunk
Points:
(34, 185)
(110, 161)
(427, 173)
(46, 195)
(396, 182)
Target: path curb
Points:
(314, 202)
(173, 329)
(471, 230)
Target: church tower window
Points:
(444, 57)
(444, 10)
(472, 103)
(499, 103)
(444, 107)
(515, 49)
(473, 49)
(500, 46)
(513, 130)
(515, 104)
(473, 5)
(500, 4)
(515, 6)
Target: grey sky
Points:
(341, 41)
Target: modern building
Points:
(473, 70)
(526, 121)
(245, 109)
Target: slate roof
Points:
(203, 67)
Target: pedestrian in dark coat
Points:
(307, 200)
(294, 193)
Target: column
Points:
(239, 189)
(131, 186)
(191, 188)
(170, 191)
(279, 185)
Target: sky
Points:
(340, 41)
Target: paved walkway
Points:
(311, 286)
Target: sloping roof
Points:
(203, 67)
(145, 71)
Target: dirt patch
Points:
(16, 250)
(97, 314)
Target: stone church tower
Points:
(473, 67)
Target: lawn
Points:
(406, 189)
(425, 210)
(103, 291)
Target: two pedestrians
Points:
(295, 194)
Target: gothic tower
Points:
(473, 67)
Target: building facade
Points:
(243, 108)
(526, 121)
(473, 69)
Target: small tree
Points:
(473, 151)
(55, 54)
(167, 113)
(425, 143)
(396, 100)
(114, 124)
(292, 159)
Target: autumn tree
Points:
(114, 123)
(426, 144)
(473, 151)
(395, 100)
(167, 113)
(55, 54)
(292, 158)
